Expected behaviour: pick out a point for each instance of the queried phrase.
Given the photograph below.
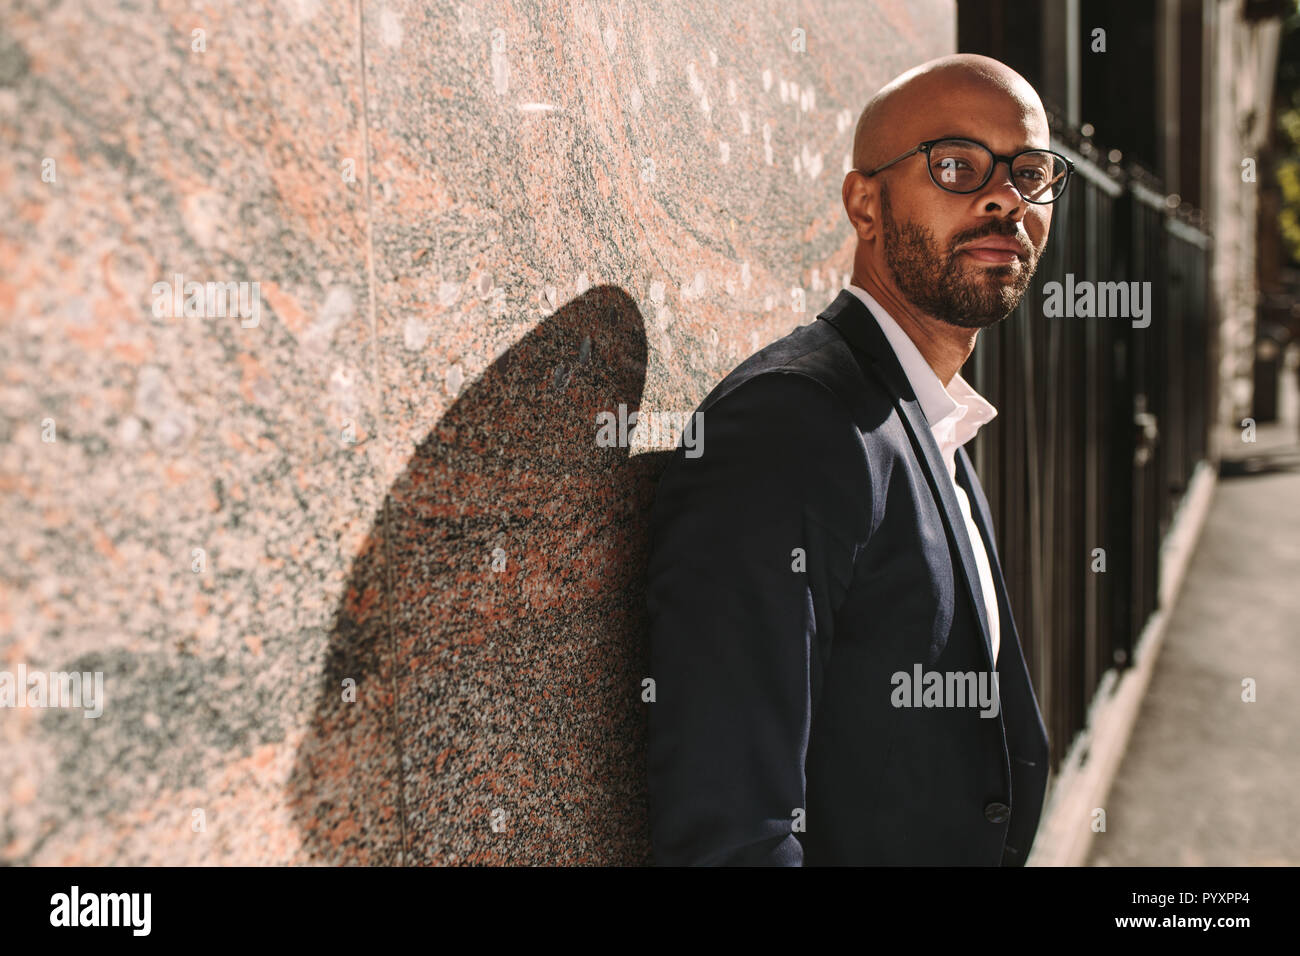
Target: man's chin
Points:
(977, 322)
(981, 317)
(999, 298)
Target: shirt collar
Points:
(955, 413)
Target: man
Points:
(838, 678)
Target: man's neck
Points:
(944, 347)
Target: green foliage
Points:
(1287, 93)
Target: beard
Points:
(938, 282)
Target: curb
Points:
(1094, 757)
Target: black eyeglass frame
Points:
(1009, 160)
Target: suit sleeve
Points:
(740, 624)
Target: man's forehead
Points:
(1003, 125)
(997, 140)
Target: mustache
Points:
(1006, 232)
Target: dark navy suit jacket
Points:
(810, 553)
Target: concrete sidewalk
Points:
(1208, 779)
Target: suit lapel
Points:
(859, 327)
(1027, 734)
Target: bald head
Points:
(948, 261)
(937, 99)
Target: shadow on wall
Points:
(506, 684)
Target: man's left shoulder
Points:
(815, 350)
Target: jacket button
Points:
(997, 813)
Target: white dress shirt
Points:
(955, 414)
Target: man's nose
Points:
(1007, 187)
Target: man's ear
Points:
(861, 197)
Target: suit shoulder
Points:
(816, 352)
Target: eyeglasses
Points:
(964, 166)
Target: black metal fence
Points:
(1101, 423)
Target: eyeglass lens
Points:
(961, 166)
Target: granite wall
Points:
(337, 529)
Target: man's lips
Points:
(1000, 251)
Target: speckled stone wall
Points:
(362, 583)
